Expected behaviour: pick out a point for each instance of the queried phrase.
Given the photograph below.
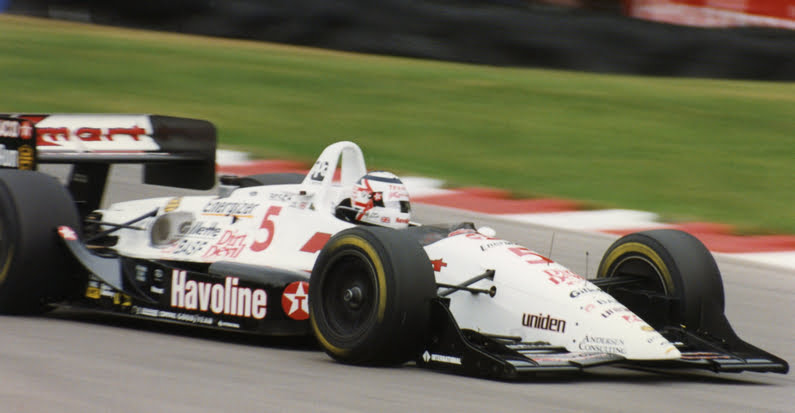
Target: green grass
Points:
(690, 149)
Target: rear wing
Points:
(176, 152)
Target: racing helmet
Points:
(380, 198)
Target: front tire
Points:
(370, 294)
(668, 264)
(34, 268)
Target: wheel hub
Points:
(353, 297)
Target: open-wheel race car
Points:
(333, 254)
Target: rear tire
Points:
(34, 268)
(672, 264)
(370, 295)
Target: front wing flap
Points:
(727, 354)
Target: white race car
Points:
(333, 254)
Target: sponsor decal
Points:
(122, 299)
(295, 300)
(601, 302)
(631, 318)
(496, 242)
(490, 245)
(647, 328)
(106, 291)
(67, 233)
(230, 245)
(530, 257)
(172, 204)
(92, 291)
(461, 232)
(563, 276)
(476, 236)
(227, 324)
(62, 135)
(565, 357)
(610, 311)
(585, 290)
(188, 318)
(9, 158)
(473, 235)
(267, 229)
(26, 158)
(200, 230)
(402, 221)
(319, 171)
(229, 208)
(9, 129)
(542, 322)
(440, 358)
(25, 130)
(299, 204)
(140, 273)
(602, 345)
(188, 247)
(397, 191)
(316, 243)
(438, 264)
(281, 196)
(219, 298)
(149, 312)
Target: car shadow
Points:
(628, 375)
(306, 343)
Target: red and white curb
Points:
(774, 250)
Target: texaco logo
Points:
(295, 300)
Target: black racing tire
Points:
(34, 268)
(369, 296)
(672, 264)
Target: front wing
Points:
(471, 353)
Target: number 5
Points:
(266, 224)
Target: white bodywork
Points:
(285, 226)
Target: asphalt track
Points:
(71, 361)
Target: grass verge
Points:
(690, 149)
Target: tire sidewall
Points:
(38, 269)
(348, 244)
(10, 237)
(687, 269)
(405, 285)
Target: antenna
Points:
(586, 265)
(551, 244)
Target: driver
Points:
(378, 198)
